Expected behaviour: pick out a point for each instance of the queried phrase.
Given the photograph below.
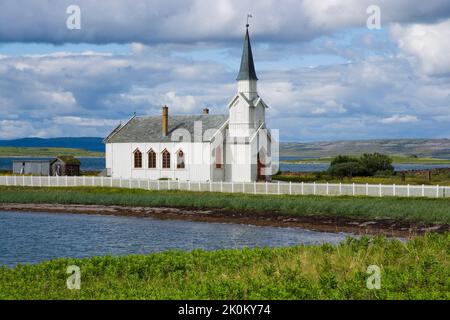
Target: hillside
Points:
(432, 148)
(86, 143)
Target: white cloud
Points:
(397, 118)
(84, 122)
(427, 44)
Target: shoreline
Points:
(335, 224)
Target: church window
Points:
(166, 159)
(180, 160)
(137, 159)
(151, 159)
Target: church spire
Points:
(247, 70)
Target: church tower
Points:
(247, 110)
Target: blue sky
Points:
(323, 73)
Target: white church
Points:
(205, 147)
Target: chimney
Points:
(205, 111)
(165, 116)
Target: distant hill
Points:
(436, 148)
(88, 143)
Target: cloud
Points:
(426, 44)
(156, 21)
(397, 118)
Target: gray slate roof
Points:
(247, 70)
(149, 129)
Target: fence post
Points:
(148, 184)
(437, 191)
(314, 188)
(381, 191)
(290, 187)
(221, 186)
(340, 188)
(353, 189)
(157, 182)
(393, 190)
(40, 181)
(23, 180)
(367, 189)
(232, 187)
(7, 180)
(101, 181)
(278, 187)
(303, 188)
(15, 180)
(328, 190)
(84, 180)
(210, 186)
(408, 190)
(254, 187)
(67, 183)
(423, 190)
(31, 180)
(168, 184)
(267, 187)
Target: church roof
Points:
(247, 70)
(149, 129)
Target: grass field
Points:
(395, 160)
(46, 152)
(418, 269)
(441, 178)
(414, 209)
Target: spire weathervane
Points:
(248, 17)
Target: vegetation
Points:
(439, 176)
(369, 164)
(415, 209)
(46, 152)
(417, 269)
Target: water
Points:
(35, 237)
(98, 164)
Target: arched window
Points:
(166, 159)
(180, 160)
(219, 157)
(151, 159)
(137, 158)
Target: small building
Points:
(60, 166)
(34, 167)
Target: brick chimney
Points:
(165, 120)
(205, 111)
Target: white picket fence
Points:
(279, 188)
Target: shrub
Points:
(376, 162)
(348, 169)
(343, 159)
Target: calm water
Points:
(34, 237)
(98, 164)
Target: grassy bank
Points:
(414, 209)
(46, 152)
(419, 269)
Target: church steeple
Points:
(247, 70)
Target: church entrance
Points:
(260, 167)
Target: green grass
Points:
(46, 152)
(441, 178)
(395, 159)
(418, 269)
(415, 209)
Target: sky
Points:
(324, 74)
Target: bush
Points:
(343, 159)
(376, 162)
(348, 169)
